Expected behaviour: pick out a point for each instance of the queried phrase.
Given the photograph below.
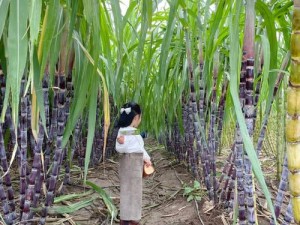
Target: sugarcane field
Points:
(150, 112)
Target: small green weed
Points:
(194, 192)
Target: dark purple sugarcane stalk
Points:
(249, 109)
(43, 142)
(220, 116)
(258, 84)
(81, 150)
(263, 129)
(2, 88)
(249, 117)
(47, 141)
(188, 133)
(98, 146)
(239, 167)
(226, 170)
(195, 152)
(30, 141)
(226, 175)
(53, 126)
(61, 120)
(239, 158)
(6, 200)
(75, 139)
(23, 150)
(230, 190)
(69, 94)
(283, 186)
(59, 151)
(205, 153)
(185, 139)
(32, 192)
(5, 207)
(212, 134)
(7, 178)
(178, 142)
(288, 217)
(193, 109)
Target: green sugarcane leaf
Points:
(72, 207)
(17, 52)
(38, 89)
(166, 45)
(56, 47)
(106, 198)
(81, 88)
(50, 21)
(3, 13)
(266, 70)
(269, 21)
(71, 196)
(91, 123)
(35, 11)
(138, 76)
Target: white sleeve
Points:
(145, 153)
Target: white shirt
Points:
(132, 143)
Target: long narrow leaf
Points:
(17, 52)
(91, 124)
(3, 13)
(107, 200)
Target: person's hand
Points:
(121, 139)
(148, 163)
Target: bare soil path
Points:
(163, 200)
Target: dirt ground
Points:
(163, 200)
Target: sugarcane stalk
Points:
(226, 173)
(194, 133)
(280, 145)
(230, 191)
(293, 115)
(220, 116)
(53, 127)
(5, 199)
(59, 151)
(263, 129)
(33, 191)
(249, 109)
(69, 95)
(2, 88)
(7, 178)
(47, 141)
(249, 117)
(283, 185)
(23, 149)
(239, 167)
(288, 217)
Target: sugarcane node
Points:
(292, 128)
(296, 208)
(293, 156)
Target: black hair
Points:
(126, 118)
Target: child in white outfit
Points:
(133, 155)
